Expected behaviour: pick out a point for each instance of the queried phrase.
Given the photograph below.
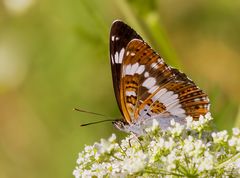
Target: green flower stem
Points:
(228, 161)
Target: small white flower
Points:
(80, 158)
(104, 147)
(177, 129)
(219, 137)
(188, 146)
(233, 141)
(87, 173)
(135, 163)
(169, 144)
(208, 116)
(237, 163)
(88, 148)
(207, 162)
(171, 159)
(76, 173)
(236, 131)
(189, 121)
(202, 119)
(112, 138)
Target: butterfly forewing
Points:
(120, 35)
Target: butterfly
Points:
(146, 88)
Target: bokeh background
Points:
(54, 56)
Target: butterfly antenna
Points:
(97, 122)
(93, 113)
(97, 114)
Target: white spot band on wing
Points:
(170, 101)
(149, 82)
(134, 69)
(146, 74)
(140, 69)
(116, 57)
(121, 53)
(130, 93)
(113, 38)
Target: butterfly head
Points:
(137, 129)
(120, 125)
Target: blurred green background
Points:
(54, 56)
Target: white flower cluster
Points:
(191, 150)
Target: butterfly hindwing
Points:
(149, 87)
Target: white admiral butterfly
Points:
(146, 88)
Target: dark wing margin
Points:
(120, 35)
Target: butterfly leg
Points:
(138, 140)
(123, 150)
